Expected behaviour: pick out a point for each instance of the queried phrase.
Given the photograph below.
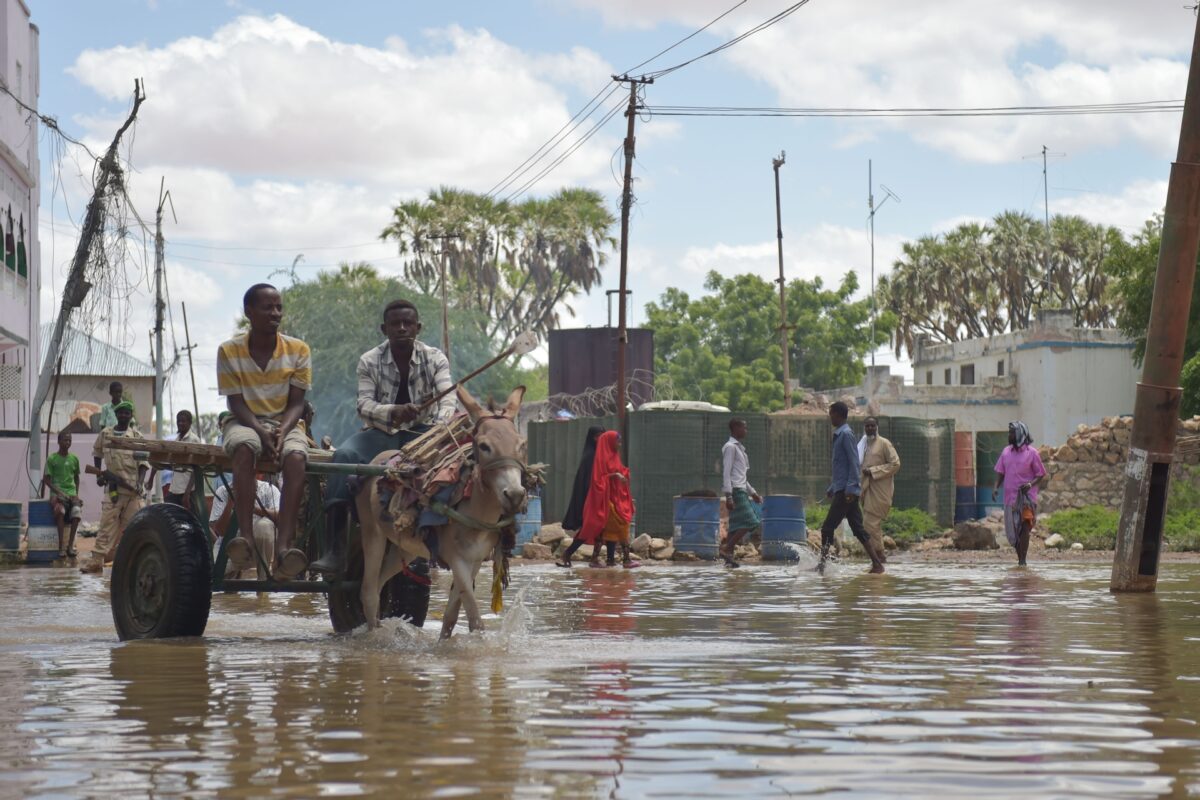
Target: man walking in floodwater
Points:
(1020, 470)
(122, 476)
(880, 463)
(735, 484)
(844, 490)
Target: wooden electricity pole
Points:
(77, 287)
(783, 319)
(1156, 405)
(626, 204)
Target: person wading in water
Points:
(573, 519)
(1020, 471)
(743, 516)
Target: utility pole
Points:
(1156, 405)
(443, 237)
(871, 210)
(1046, 154)
(776, 163)
(626, 204)
(187, 339)
(77, 287)
(159, 309)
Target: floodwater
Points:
(668, 681)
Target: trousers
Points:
(114, 516)
(843, 509)
(360, 448)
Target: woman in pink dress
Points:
(1019, 470)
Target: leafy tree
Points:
(514, 266)
(338, 314)
(982, 280)
(1133, 266)
(724, 346)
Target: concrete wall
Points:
(15, 484)
(19, 195)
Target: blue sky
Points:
(292, 127)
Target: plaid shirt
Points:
(379, 380)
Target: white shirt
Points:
(180, 482)
(862, 448)
(268, 495)
(736, 466)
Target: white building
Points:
(20, 274)
(1052, 375)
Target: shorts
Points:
(236, 434)
(74, 513)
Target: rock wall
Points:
(1089, 468)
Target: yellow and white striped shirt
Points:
(264, 390)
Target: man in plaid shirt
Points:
(394, 379)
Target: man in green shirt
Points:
(61, 478)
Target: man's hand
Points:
(150, 484)
(404, 414)
(995, 493)
(828, 494)
(267, 437)
(851, 498)
(1026, 486)
(100, 480)
(729, 502)
(756, 497)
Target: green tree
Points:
(982, 280)
(723, 347)
(1132, 266)
(515, 266)
(338, 314)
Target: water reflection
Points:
(681, 682)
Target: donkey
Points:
(471, 534)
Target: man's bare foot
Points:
(876, 569)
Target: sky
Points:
(287, 129)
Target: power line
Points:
(762, 26)
(579, 119)
(595, 129)
(1140, 107)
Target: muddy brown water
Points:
(669, 681)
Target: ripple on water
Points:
(938, 680)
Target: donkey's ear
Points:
(512, 406)
(469, 404)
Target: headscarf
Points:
(573, 519)
(606, 489)
(1022, 437)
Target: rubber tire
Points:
(401, 598)
(164, 546)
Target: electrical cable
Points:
(1139, 107)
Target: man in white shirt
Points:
(177, 483)
(735, 485)
(266, 517)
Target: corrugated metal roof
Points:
(87, 355)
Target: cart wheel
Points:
(401, 597)
(162, 575)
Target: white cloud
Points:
(269, 97)
(944, 53)
(1128, 210)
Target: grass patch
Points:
(1182, 530)
(907, 526)
(1095, 527)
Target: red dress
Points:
(608, 494)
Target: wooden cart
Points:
(165, 572)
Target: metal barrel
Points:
(42, 537)
(697, 525)
(784, 532)
(965, 506)
(10, 525)
(529, 523)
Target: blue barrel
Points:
(986, 504)
(529, 523)
(42, 538)
(697, 526)
(964, 503)
(784, 532)
(10, 525)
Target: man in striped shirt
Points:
(264, 375)
(395, 380)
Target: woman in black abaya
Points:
(573, 519)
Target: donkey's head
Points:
(499, 448)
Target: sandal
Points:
(564, 563)
(631, 564)
(240, 553)
(290, 564)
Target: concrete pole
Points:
(626, 204)
(1156, 407)
(776, 163)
